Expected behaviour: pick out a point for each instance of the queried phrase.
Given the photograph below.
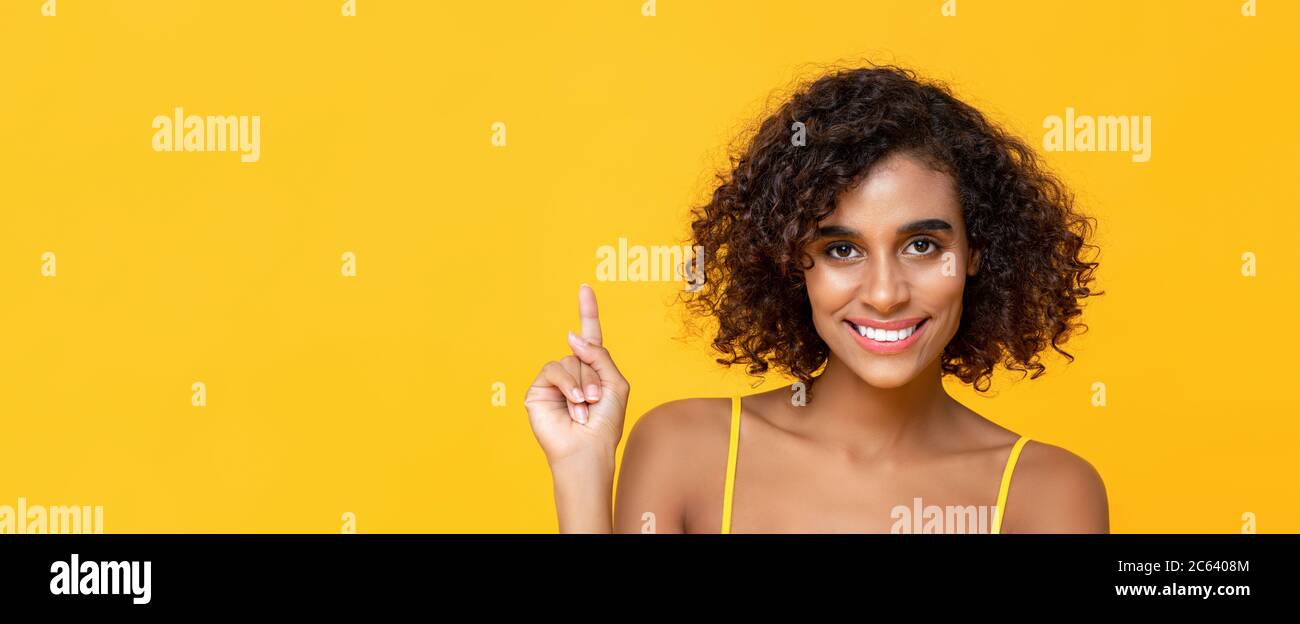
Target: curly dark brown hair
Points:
(765, 209)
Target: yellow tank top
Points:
(733, 445)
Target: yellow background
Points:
(372, 394)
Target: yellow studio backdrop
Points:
(129, 274)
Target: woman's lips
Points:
(884, 347)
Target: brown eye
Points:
(841, 251)
(922, 246)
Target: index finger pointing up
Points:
(588, 315)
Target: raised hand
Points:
(577, 404)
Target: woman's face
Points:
(891, 262)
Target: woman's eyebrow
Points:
(829, 231)
(925, 225)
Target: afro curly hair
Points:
(765, 210)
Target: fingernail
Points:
(580, 410)
(593, 392)
(574, 338)
(577, 395)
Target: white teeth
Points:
(882, 335)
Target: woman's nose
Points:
(884, 286)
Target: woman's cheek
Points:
(940, 294)
(937, 286)
(830, 290)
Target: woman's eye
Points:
(921, 246)
(841, 251)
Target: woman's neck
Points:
(844, 407)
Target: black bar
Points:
(196, 573)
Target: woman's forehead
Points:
(898, 189)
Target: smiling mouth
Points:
(886, 341)
(886, 336)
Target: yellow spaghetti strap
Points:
(1006, 483)
(733, 444)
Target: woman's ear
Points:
(973, 266)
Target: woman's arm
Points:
(576, 408)
(650, 493)
(1055, 491)
(583, 495)
(675, 461)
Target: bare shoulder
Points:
(674, 459)
(1055, 491)
(683, 421)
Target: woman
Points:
(875, 235)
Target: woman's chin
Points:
(885, 375)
